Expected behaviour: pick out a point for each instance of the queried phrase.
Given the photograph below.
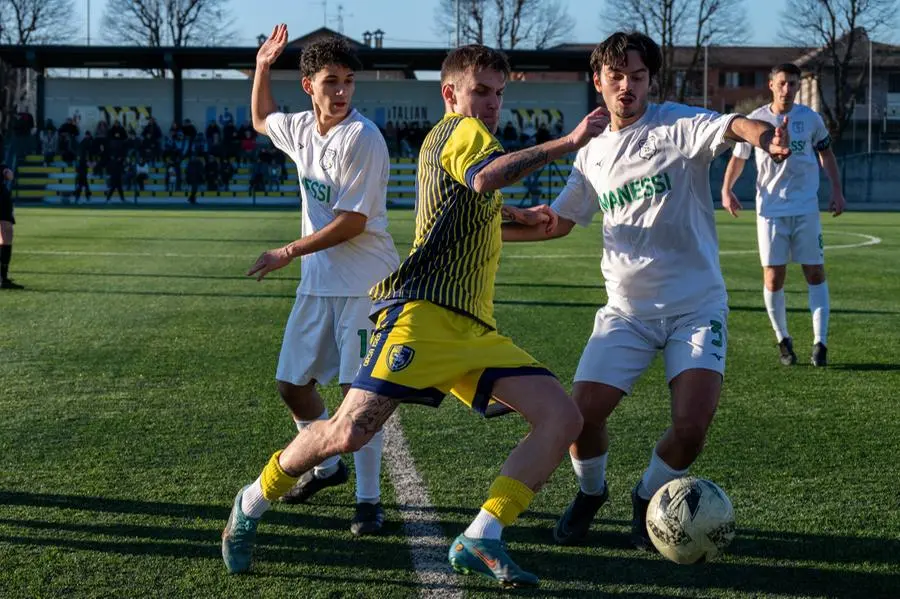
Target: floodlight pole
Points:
(705, 75)
(871, 99)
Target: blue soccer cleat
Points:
(238, 538)
(488, 557)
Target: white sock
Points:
(820, 306)
(777, 312)
(657, 474)
(328, 466)
(591, 474)
(368, 470)
(484, 526)
(253, 504)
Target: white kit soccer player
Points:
(649, 175)
(660, 246)
(328, 330)
(788, 225)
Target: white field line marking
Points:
(868, 240)
(427, 543)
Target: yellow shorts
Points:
(420, 351)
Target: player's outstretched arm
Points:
(515, 166)
(345, 226)
(838, 204)
(262, 104)
(733, 171)
(538, 223)
(773, 140)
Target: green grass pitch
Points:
(137, 396)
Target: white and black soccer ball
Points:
(690, 520)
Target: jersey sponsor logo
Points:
(633, 191)
(328, 158)
(798, 146)
(317, 190)
(648, 147)
(399, 357)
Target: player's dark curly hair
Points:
(787, 68)
(613, 52)
(474, 56)
(331, 50)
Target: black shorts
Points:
(6, 211)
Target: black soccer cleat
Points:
(574, 524)
(8, 284)
(819, 357)
(368, 520)
(640, 538)
(309, 484)
(786, 347)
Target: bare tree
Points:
(690, 24)
(506, 24)
(29, 22)
(840, 29)
(468, 15)
(36, 21)
(155, 23)
(530, 23)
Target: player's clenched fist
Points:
(590, 127)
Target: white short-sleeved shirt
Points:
(789, 188)
(345, 170)
(651, 180)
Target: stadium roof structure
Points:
(190, 58)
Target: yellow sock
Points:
(275, 481)
(507, 498)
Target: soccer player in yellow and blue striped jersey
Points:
(435, 332)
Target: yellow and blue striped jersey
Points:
(456, 252)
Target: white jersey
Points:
(651, 180)
(789, 188)
(345, 170)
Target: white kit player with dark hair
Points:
(648, 173)
(343, 167)
(787, 206)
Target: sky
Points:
(406, 23)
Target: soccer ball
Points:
(690, 520)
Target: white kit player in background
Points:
(649, 175)
(343, 168)
(788, 227)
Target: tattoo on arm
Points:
(529, 159)
(370, 414)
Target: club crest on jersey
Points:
(327, 159)
(648, 147)
(797, 126)
(399, 357)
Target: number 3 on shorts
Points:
(716, 328)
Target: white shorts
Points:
(784, 239)
(324, 337)
(622, 346)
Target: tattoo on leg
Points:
(530, 159)
(371, 414)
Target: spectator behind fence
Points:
(194, 176)
(116, 170)
(82, 178)
(49, 142)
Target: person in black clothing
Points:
(212, 173)
(82, 178)
(7, 220)
(114, 183)
(194, 176)
(226, 172)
